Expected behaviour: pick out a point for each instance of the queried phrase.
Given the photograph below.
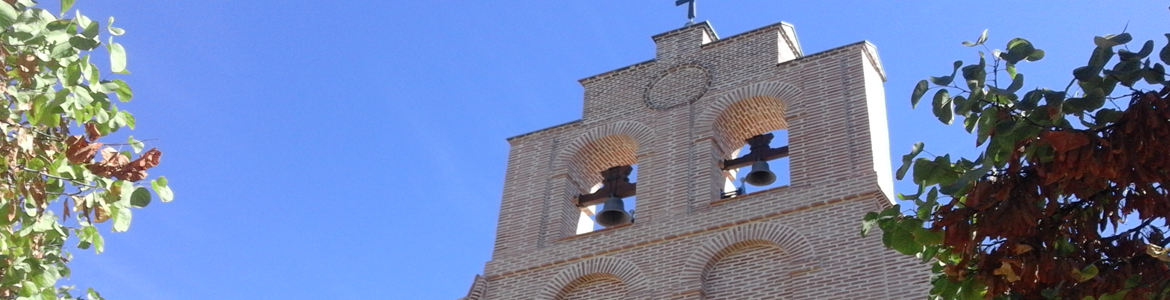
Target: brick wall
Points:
(677, 116)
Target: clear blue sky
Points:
(355, 149)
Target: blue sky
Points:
(355, 149)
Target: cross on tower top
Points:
(690, 10)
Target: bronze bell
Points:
(760, 175)
(614, 213)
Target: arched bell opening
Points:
(761, 174)
(609, 164)
(753, 132)
(610, 202)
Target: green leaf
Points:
(928, 172)
(1011, 70)
(944, 80)
(943, 107)
(117, 57)
(140, 198)
(1091, 101)
(868, 222)
(114, 30)
(1155, 75)
(1165, 53)
(135, 144)
(123, 91)
(48, 277)
(8, 15)
(1017, 83)
(93, 295)
(90, 28)
(926, 207)
(969, 122)
(1108, 115)
(1019, 49)
(919, 90)
(127, 119)
(161, 188)
(927, 237)
(83, 43)
(902, 238)
(907, 159)
(987, 122)
(1085, 73)
(976, 75)
(979, 41)
(1086, 273)
(905, 244)
(65, 5)
(1036, 54)
(1111, 40)
(1125, 54)
(89, 235)
(121, 217)
(1100, 57)
(126, 189)
(72, 74)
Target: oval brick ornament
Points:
(680, 85)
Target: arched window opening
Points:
(759, 122)
(761, 164)
(611, 202)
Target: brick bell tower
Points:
(688, 124)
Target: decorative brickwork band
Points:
(600, 148)
(564, 282)
(747, 111)
(704, 258)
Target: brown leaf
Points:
(111, 157)
(79, 151)
(37, 191)
(92, 132)
(147, 160)
(1022, 248)
(1064, 140)
(24, 139)
(100, 215)
(1005, 270)
(12, 211)
(132, 175)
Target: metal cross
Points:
(690, 11)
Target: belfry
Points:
(723, 168)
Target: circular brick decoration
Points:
(680, 85)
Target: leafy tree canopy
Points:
(58, 187)
(1042, 211)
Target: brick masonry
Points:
(677, 116)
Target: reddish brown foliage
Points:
(1038, 224)
(119, 166)
(80, 151)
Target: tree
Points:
(1039, 213)
(57, 187)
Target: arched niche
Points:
(603, 270)
(799, 254)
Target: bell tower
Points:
(724, 168)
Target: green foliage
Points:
(56, 187)
(1025, 218)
